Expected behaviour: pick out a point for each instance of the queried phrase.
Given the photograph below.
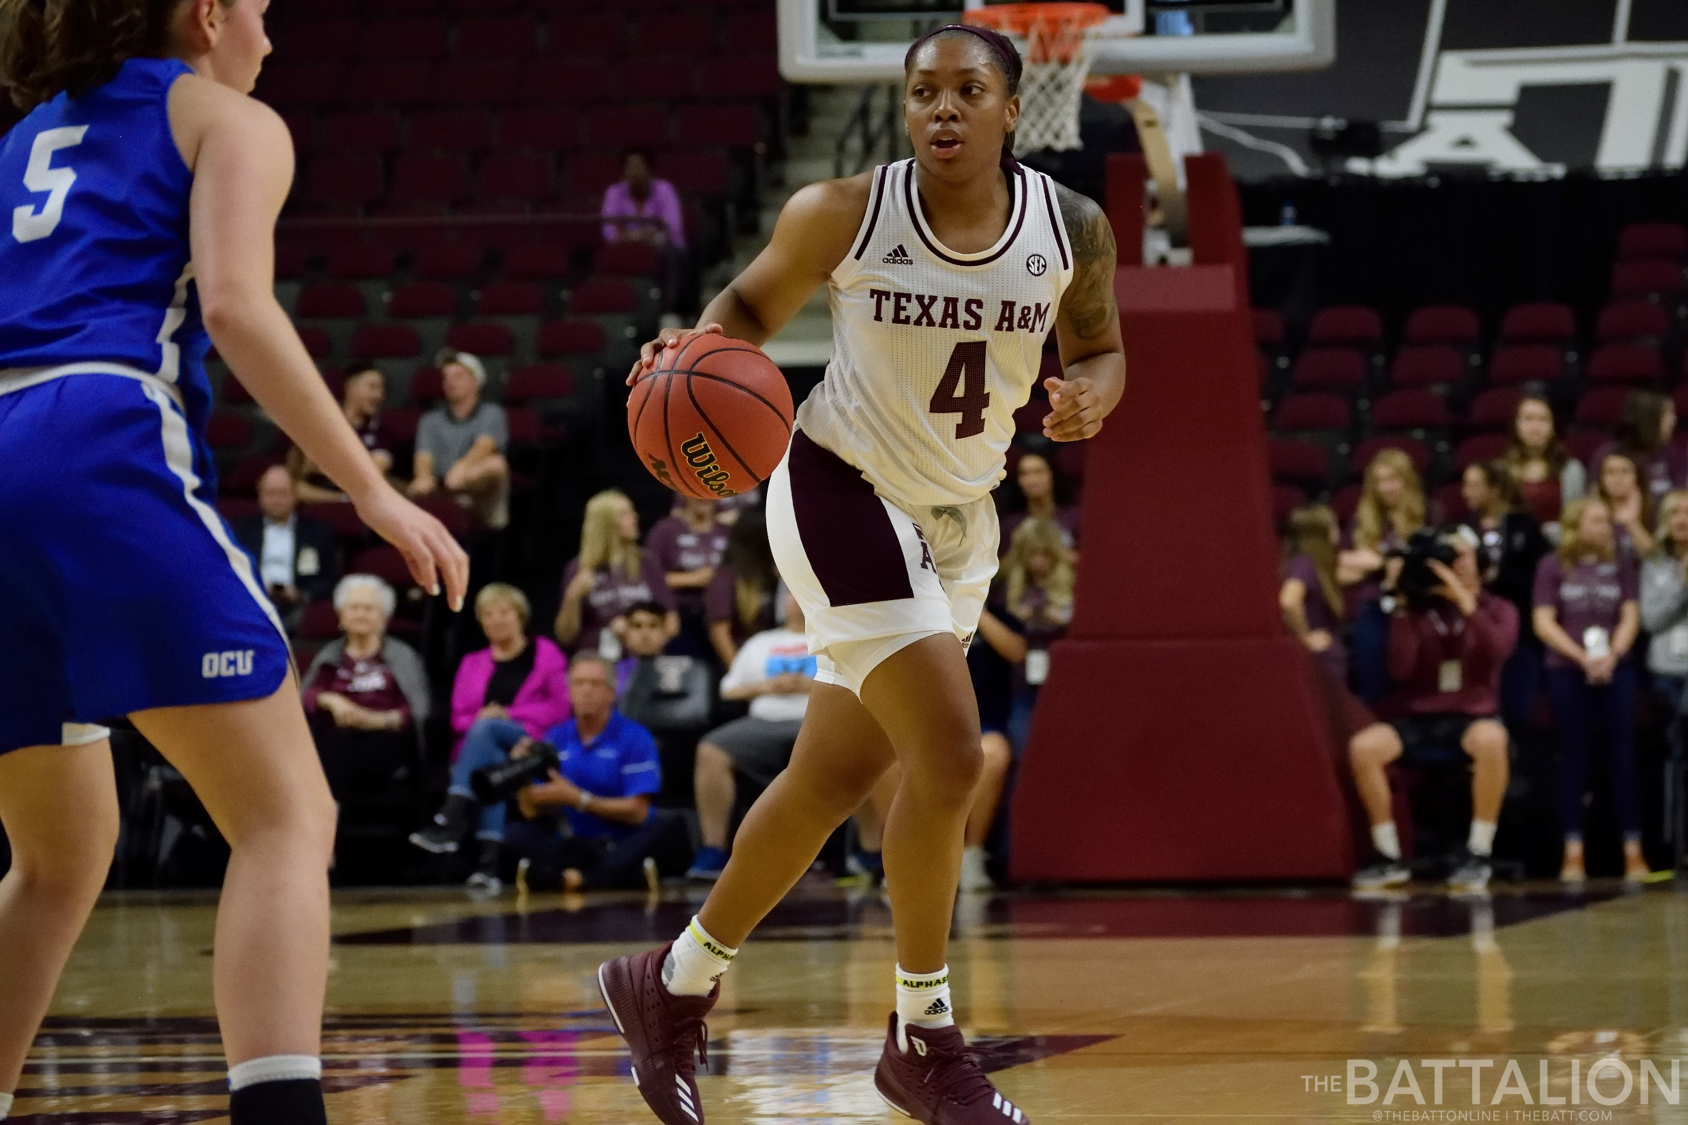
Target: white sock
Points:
(1386, 840)
(695, 962)
(274, 1068)
(1482, 839)
(5, 1105)
(924, 998)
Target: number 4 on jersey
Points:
(962, 389)
(28, 224)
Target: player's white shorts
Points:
(873, 578)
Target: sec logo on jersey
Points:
(1036, 265)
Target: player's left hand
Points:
(1075, 409)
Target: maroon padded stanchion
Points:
(1180, 734)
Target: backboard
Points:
(850, 41)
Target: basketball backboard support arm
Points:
(1310, 46)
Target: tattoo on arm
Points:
(1089, 301)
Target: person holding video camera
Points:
(1448, 638)
(1588, 613)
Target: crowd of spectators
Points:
(1540, 618)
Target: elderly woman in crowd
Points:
(1391, 508)
(516, 687)
(366, 693)
(610, 576)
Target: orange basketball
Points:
(712, 419)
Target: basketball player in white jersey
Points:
(945, 274)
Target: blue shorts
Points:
(120, 587)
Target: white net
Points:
(1052, 87)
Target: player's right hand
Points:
(667, 338)
(428, 548)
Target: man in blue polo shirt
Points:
(602, 789)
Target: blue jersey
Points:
(95, 268)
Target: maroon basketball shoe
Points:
(663, 1031)
(935, 1081)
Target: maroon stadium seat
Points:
(454, 130)
(1310, 412)
(617, 126)
(1346, 324)
(320, 40)
(316, 341)
(430, 179)
(383, 562)
(225, 429)
(450, 261)
(500, 37)
(242, 480)
(1493, 409)
(523, 425)
(1526, 363)
(739, 76)
(735, 126)
(544, 129)
(1539, 322)
(302, 85)
(484, 7)
(571, 337)
(372, 131)
(448, 511)
(1443, 324)
(341, 518)
(1268, 328)
(1301, 461)
(674, 31)
(420, 38)
(359, 261)
(1626, 363)
(1318, 368)
(587, 174)
(1371, 447)
(1450, 501)
(603, 295)
(401, 84)
(1411, 409)
(627, 259)
(476, 82)
(1480, 447)
(573, 80)
(671, 78)
(481, 339)
(1600, 407)
(290, 262)
(1680, 397)
(523, 177)
(1427, 364)
(423, 299)
(426, 386)
(511, 298)
(1286, 498)
(236, 508)
(603, 35)
(330, 299)
(1584, 444)
(701, 171)
(345, 180)
(1344, 503)
(1648, 277)
(398, 423)
(386, 341)
(536, 261)
(1653, 240)
(539, 380)
(1630, 321)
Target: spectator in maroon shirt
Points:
(610, 576)
(1548, 476)
(365, 391)
(1588, 614)
(1619, 484)
(365, 693)
(688, 545)
(1042, 493)
(741, 597)
(1445, 660)
(1643, 434)
(1310, 598)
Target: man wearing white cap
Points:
(466, 438)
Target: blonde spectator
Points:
(1391, 508)
(610, 576)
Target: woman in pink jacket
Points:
(515, 688)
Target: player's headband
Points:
(1000, 46)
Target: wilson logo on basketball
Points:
(704, 465)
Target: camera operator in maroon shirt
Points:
(1445, 656)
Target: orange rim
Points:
(1062, 22)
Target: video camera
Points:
(496, 784)
(1416, 584)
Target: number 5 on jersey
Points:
(28, 224)
(962, 389)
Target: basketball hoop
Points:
(1055, 40)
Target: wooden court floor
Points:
(1223, 1006)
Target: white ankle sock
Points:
(695, 962)
(1386, 840)
(5, 1105)
(274, 1068)
(1482, 839)
(924, 998)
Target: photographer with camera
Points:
(1588, 613)
(1448, 639)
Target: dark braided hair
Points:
(1004, 57)
(75, 45)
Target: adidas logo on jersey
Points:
(898, 256)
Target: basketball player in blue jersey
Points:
(945, 274)
(137, 210)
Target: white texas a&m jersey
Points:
(933, 351)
